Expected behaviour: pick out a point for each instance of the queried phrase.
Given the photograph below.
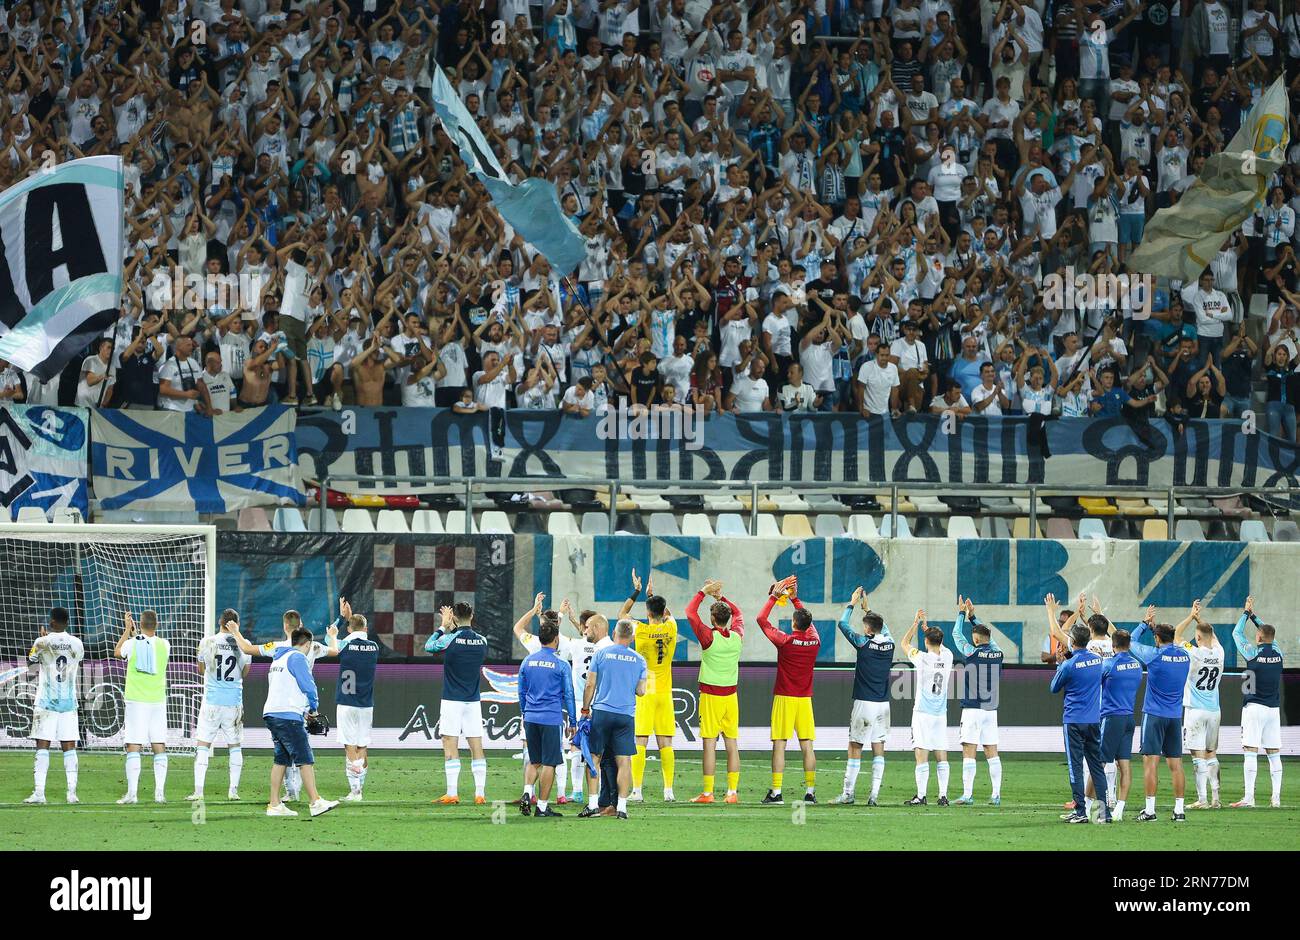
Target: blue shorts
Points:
(612, 732)
(1162, 737)
(543, 744)
(1116, 738)
(290, 739)
(1130, 227)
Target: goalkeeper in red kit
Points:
(792, 711)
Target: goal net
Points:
(100, 573)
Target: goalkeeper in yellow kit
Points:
(656, 640)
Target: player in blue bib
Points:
(1162, 711)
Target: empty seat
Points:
(828, 525)
(1002, 504)
(1252, 530)
(796, 525)
(1020, 529)
(1095, 506)
(722, 502)
(494, 520)
(765, 503)
(32, 514)
(562, 523)
(962, 527)
(391, 520)
(696, 523)
(1059, 528)
(330, 517)
(595, 523)
(426, 522)
(731, 524)
(1134, 507)
(887, 527)
(788, 502)
(625, 502)
(995, 527)
(289, 519)
(1155, 530)
(254, 519)
(767, 526)
(663, 523)
(358, 520)
(1093, 529)
(823, 502)
(456, 520)
(648, 500)
(928, 504)
(1188, 530)
(862, 526)
(1161, 506)
(4, 515)
(1285, 530)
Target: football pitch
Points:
(397, 812)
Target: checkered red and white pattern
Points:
(411, 583)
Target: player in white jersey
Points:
(591, 628)
(1201, 707)
(58, 655)
(1099, 630)
(933, 667)
(291, 621)
(223, 666)
(529, 641)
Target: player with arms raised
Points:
(460, 714)
(869, 720)
(656, 640)
(146, 656)
(933, 667)
(591, 629)
(720, 646)
(223, 666)
(1162, 711)
(981, 688)
(57, 654)
(1201, 707)
(792, 705)
(1261, 714)
(354, 698)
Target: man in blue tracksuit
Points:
(1121, 674)
(981, 681)
(869, 720)
(1261, 698)
(1162, 711)
(460, 715)
(1079, 677)
(546, 706)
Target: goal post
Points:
(100, 573)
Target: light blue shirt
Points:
(619, 669)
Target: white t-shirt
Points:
(181, 375)
(980, 393)
(816, 359)
(778, 327)
(750, 393)
(220, 389)
(877, 383)
(89, 396)
(910, 355)
(493, 393)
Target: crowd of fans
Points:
(833, 205)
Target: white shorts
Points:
(55, 726)
(1200, 730)
(354, 724)
(146, 723)
(929, 732)
(226, 720)
(868, 722)
(979, 726)
(1261, 727)
(460, 719)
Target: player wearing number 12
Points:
(656, 641)
(223, 666)
(58, 655)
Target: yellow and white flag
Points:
(1180, 241)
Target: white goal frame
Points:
(180, 740)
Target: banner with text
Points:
(43, 458)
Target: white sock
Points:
(1212, 765)
(622, 804)
(1198, 764)
(356, 770)
(1178, 804)
(1275, 774)
(1110, 770)
(42, 767)
(922, 778)
(851, 769)
(70, 764)
(593, 801)
(967, 777)
(943, 777)
(132, 772)
(528, 789)
(995, 775)
(1249, 767)
(877, 775)
(236, 766)
(1118, 812)
(451, 767)
(577, 774)
(1088, 804)
(1151, 804)
(478, 767)
(159, 774)
(201, 755)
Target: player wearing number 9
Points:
(58, 654)
(223, 666)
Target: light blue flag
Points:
(532, 208)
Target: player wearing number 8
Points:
(223, 666)
(933, 667)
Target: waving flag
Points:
(532, 208)
(61, 278)
(1180, 241)
(174, 461)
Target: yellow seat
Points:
(765, 503)
(625, 503)
(795, 525)
(1097, 507)
(1135, 507)
(1020, 529)
(1155, 530)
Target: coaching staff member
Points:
(616, 676)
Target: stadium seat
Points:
(1093, 529)
(1022, 505)
(765, 503)
(288, 519)
(731, 524)
(862, 526)
(1000, 504)
(31, 515)
(663, 523)
(426, 522)
(1155, 530)
(625, 502)
(456, 519)
(696, 523)
(648, 500)
(722, 502)
(929, 504)
(995, 527)
(1285, 530)
(788, 502)
(767, 526)
(1020, 529)
(1188, 530)
(887, 527)
(1057, 527)
(1161, 506)
(562, 523)
(823, 502)
(904, 504)
(1095, 506)
(358, 520)
(828, 525)
(1232, 507)
(795, 525)
(331, 520)
(595, 523)
(962, 527)
(1134, 507)
(254, 519)
(392, 521)
(494, 520)
(1252, 530)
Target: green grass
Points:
(397, 813)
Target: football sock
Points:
(995, 775)
(922, 778)
(668, 763)
(877, 775)
(1249, 767)
(478, 769)
(451, 768)
(1212, 765)
(132, 772)
(70, 764)
(1275, 774)
(1198, 765)
(42, 768)
(236, 766)
(201, 756)
(638, 767)
(733, 781)
(810, 779)
(967, 777)
(159, 774)
(777, 780)
(708, 783)
(943, 777)
(851, 769)
(1151, 804)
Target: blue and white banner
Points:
(43, 458)
(61, 271)
(167, 460)
(532, 207)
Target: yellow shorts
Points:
(654, 715)
(719, 715)
(790, 714)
